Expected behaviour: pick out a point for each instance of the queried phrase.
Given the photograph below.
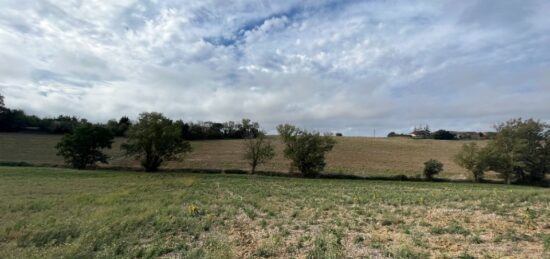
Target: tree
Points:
(258, 151)
(120, 127)
(2, 101)
(472, 158)
(431, 168)
(83, 147)
(443, 135)
(305, 149)
(155, 139)
(520, 150)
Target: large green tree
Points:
(84, 146)
(155, 139)
(305, 149)
(520, 151)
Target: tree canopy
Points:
(155, 139)
(83, 147)
(305, 149)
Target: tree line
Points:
(155, 139)
(14, 120)
(519, 151)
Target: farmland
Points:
(351, 155)
(52, 213)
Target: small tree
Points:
(155, 139)
(258, 151)
(431, 168)
(472, 158)
(305, 149)
(84, 146)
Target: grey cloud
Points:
(323, 65)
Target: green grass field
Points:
(351, 155)
(55, 213)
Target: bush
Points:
(305, 149)
(443, 135)
(431, 168)
(155, 139)
(83, 147)
(339, 134)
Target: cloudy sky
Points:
(348, 66)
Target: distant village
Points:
(425, 133)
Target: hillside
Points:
(351, 155)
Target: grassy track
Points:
(53, 213)
(351, 155)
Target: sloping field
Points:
(62, 213)
(351, 155)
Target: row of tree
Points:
(155, 139)
(13, 120)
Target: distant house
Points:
(420, 133)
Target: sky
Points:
(341, 66)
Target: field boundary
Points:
(326, 175)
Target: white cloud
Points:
(324, 65)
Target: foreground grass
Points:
(80, 214)
(351, 155)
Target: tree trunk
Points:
(253, 169)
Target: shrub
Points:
(258, 150)
(338, 134)
(155, 139)
(305, 149)
(431, 168)
(443, 135)
(83, 147)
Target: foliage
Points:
(305, 149)
(443, 135)
(393, 135)
(431, 168)
(120, 127)
(258, 151)
(520, 150)
(2, 105)
(216, 130)
(84, 146)
(472, 158)
(12, 120)
(155, 139)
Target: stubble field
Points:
(351, 155)
(53, 213)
